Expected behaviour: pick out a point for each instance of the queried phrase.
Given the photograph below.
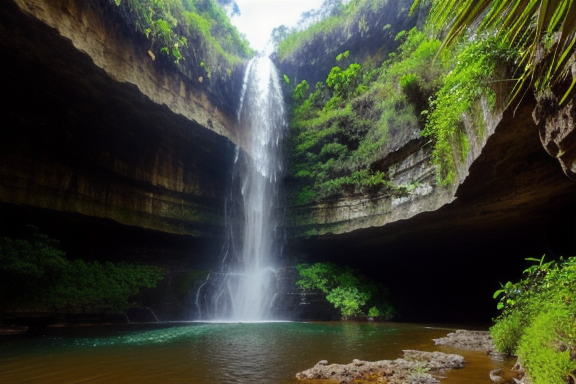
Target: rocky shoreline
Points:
(415, 367)
(468, 340)
(481, 341)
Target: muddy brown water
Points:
(217, 353)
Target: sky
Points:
(259, 17)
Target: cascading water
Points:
(245, 289)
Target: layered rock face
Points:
(444, 250)
(91, 125)
(506, 180)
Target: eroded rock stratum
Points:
(92, 125)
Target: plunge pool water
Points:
(216, 353)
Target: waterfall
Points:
(245, 288)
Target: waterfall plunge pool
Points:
(217, 353)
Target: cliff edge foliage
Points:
(340, 130)
(335, 21)
(196, 35)
(338, 141)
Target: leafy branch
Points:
(154, 19)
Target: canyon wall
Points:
(91, 125)
(505, 180)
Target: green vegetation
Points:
(536, 38)
(34, 274)
(339, 131)
(348, 290)
(340, 127)
(155, 19)
(469, 80)
(538, 321)
(201, 26)
(333, 16)
(543, 32)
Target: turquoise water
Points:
(211, 353)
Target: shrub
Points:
(345, 83)
(538, 320)
(507, 332)
(35, 274)
(348, 290)
(544, 349)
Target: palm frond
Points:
(523, 24)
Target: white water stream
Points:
(247, 284)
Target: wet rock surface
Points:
(418, 367)
(414, 367)
(557, 129)
(468, 340)
(481, 341)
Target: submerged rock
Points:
(495, 376)
(415, 367)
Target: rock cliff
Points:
(506, 179)
(370, 32)
(91, 125)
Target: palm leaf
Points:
(567, 35)
(521, 23)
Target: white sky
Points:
(259, 17)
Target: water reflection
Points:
(208, 353)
